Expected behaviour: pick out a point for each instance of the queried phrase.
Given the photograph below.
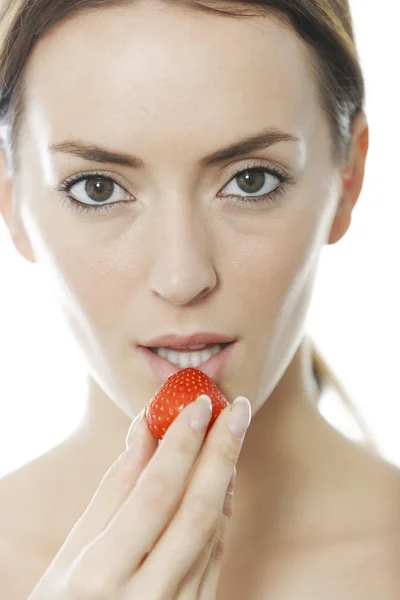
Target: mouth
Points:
(192, 356)
(210, 358)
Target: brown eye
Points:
(251, 181)
(99, 190)
(94, 191)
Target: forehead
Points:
(141, 70)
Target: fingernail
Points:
(200, 413)
(133, 426)
(239, 417)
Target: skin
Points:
(309, 505)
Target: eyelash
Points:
(80, 207)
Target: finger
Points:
(204, 574)
(116, 485)
(198, 516)
(209, 583)
(227, 513)
(136, 527)
(216, 547)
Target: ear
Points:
(352, 178)
(9, 213)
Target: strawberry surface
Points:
(179, 390)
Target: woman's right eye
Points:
(92, 192)
(95, 190)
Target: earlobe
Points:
(12, 221)
(339, 227)
(23, 246)
(345, 206)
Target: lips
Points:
(189, 350)
(179, 341)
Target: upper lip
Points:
(171, 340)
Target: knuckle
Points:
(185, 442)
(228, 509)
(90, 579)
(84, 586)
(204, 515)
(219, 549)
(228, 453)
(121, 469)
(111, 474)
(158, 490)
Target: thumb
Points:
(115, 487)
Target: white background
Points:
(354, 316)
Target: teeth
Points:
(188, 359)
(200, 347)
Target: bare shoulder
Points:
(39, 505)
(30, 498)
(19, 492)
(22, 560)
(376, 485)
(21, 566)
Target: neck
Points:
(281, 427)
(283, 444)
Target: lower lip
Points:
(163, 369)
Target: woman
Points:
(178, 167)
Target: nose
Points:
(182, 270)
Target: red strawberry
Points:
(179, 390)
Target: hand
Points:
(154, 528)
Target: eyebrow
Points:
(244, 146)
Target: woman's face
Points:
(190, 249)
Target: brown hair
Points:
(325, 25)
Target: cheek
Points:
(270, 266)
(92, 271)
(103, 280)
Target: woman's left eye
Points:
(258, 183)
